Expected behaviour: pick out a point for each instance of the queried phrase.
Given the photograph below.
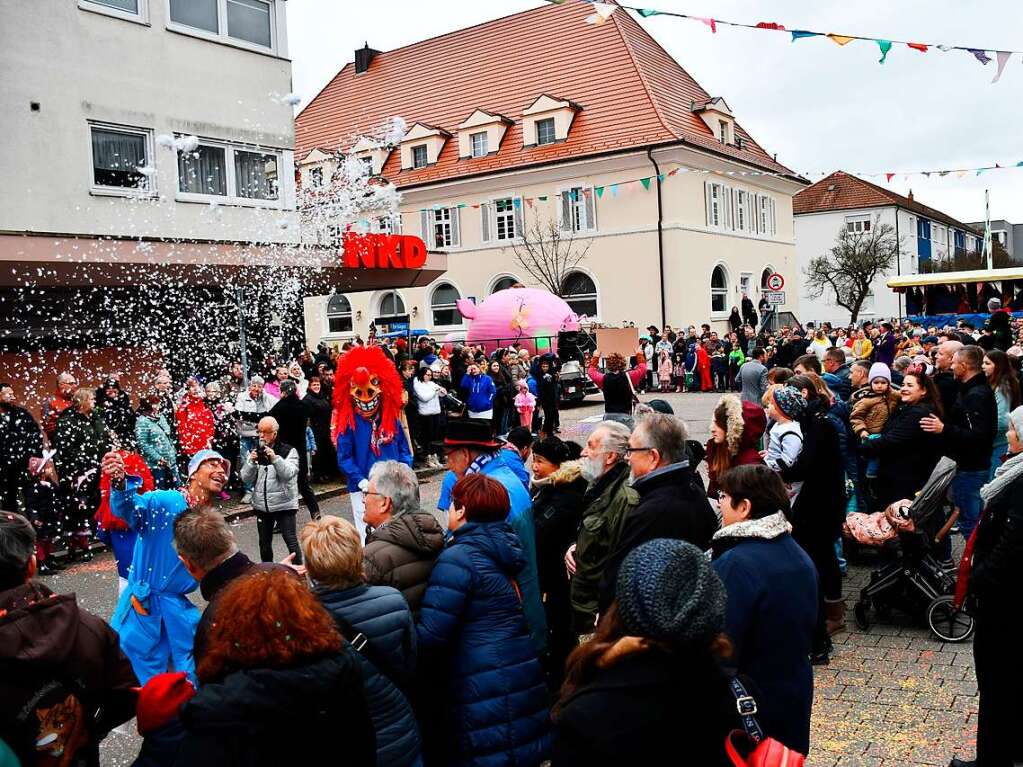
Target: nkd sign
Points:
(383, 251)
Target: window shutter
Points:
(520, 230)
(424, 217)
(486, 225)
(566, 212)
(456, 239)
(709, 203)
(590, 201)
(728, 218)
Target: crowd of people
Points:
(580, 603)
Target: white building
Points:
(844, 202)
(537, 120)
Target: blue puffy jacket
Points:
(382, 614)
(472, 623)
(481, 392)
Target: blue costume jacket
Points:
(159, 583)
(355, 457)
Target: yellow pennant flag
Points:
(841, 39)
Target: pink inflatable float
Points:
(531, 316)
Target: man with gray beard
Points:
(606, 502)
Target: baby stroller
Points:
(917, 582)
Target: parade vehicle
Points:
(949, 298)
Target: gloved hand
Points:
(364, 485)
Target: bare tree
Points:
(849, 269)
(549, 253)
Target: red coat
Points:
(703, 368)
(195, 425)
(135, 466)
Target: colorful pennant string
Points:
(603, 11)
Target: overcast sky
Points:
(821, 107)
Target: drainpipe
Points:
(660, 236)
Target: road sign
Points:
(775, 297)
(775, 282)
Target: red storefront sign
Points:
(383, 251)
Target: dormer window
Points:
(717, 116)
(421, 146)
(367, 163)
(372, 153)
(545, 131)
(481, 134)
(478, 142)
(548, 120)
(316, 177)
(724, 130)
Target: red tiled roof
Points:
(842, 191)
(632, 93)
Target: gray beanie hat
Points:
(1016, 419)
(668, 591)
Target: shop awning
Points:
(42, 260)
(973, 276)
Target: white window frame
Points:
(489, 216)
(232, 197)
(430, 307)
(472, 144)
(858, 224)
(719, 314)
(554, 131)
(151, 187)
(723, 127)
(221, 35)
(386, 224)
(380, 304)
(426, 156)
(583, 207)
(492, 287)
(715, 202)
(586, 296)
(327, 314)
(95, 6)
(446, 217)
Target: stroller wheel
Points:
(860, 613)
(946, 622)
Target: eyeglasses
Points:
(630, 450)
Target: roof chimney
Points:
(363, 56)
(910, 195)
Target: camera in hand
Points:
(263, 455)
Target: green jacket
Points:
(606, 502)
(81, 442)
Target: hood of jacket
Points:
(496, 540)
(36, 625)
(418, 532)
(250, 696)
(566, 474)
(745, 423)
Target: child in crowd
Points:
(785, 438)
(664, 370)
(872, 407)
(42, 509)
(525, 403)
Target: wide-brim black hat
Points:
(469, 432)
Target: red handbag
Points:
(749, 747)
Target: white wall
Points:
(816, 234)
(80, 65)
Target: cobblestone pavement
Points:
(891, 697)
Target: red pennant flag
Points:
(922, 47)
(476, 206)
(529, 201)
(770, 25)
(889, 176)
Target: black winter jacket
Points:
(996, 578)
(907, 453)
(969, 433)
(819, 509)
(20, 437)
(557, 511)
(672, 504)
(305, 714)
(292, 416)
(644, 706)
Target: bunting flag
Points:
(599, 190)
(645, 182)
(604, 11)
(885, 46)
(841, 39)
(889, 176)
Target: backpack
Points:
(749, 747)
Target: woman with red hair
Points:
(279, 684)
(474, 636)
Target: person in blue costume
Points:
(471, 448)
(154, 618)
(367, 421)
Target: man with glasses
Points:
(672, 500)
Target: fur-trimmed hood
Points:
(745, 423)
(767, 528)
(565, 474)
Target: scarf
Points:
(767, 528)
(476, 467)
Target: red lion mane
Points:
(377, 363)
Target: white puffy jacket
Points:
(275, 486)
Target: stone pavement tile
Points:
(865, 694)
(936, 656)
(831, 691)
(949, 673)
(871, 652)
(860, 760)
(893, 641)
(964, 657)
(960, 687)
(894, 656)
(860, 678)
(966, 703)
